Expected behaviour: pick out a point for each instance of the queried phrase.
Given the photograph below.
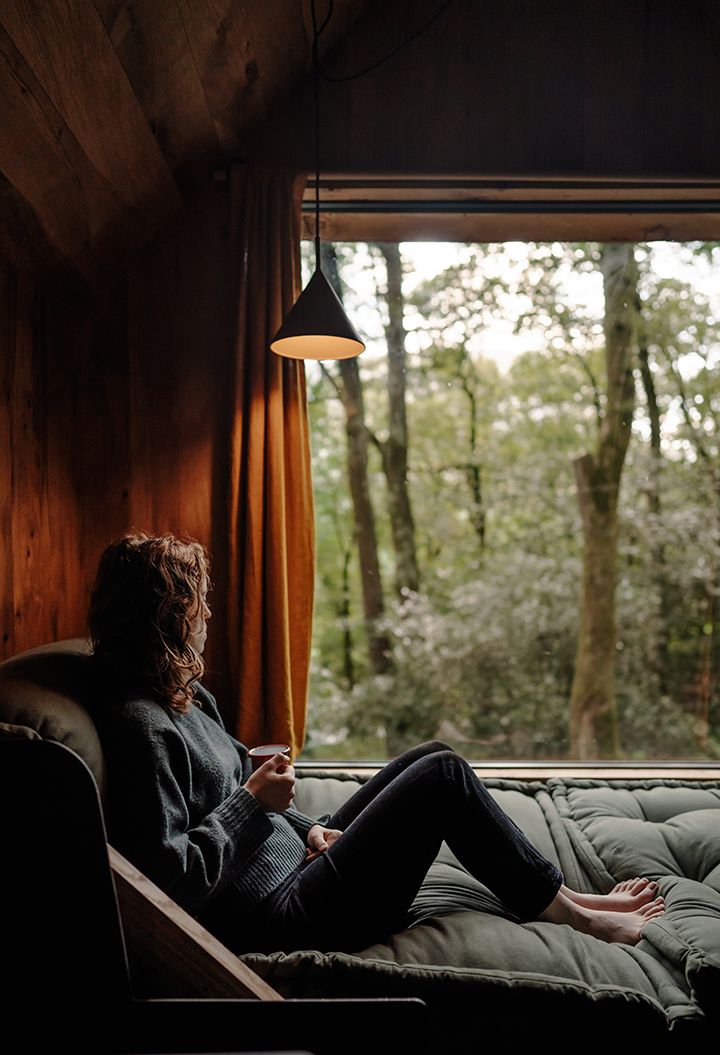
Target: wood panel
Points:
(551, 209)
(8, 310)
(30, 529)
(248, 55)
(503, 227)
(152, 44)
(612, 89)
(113, 415)
(42, 160)
(23, 241)
(73, 140)
(41, 596)
(174, 953)
(88, 448)
(66, 46)
(180, 348)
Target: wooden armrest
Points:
(172, 949)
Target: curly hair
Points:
(147, 594)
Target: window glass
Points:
(517, 493)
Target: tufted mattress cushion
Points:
(462, 944)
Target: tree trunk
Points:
(351, 394)
(709, 659)
(655, 507)
(474, 476)
(593, 719)
(395, 448)
(344, 613)
(593, 709)
(710, 648)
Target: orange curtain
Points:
(271, 523)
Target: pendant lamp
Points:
(316, 326)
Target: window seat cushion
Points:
(462, 946)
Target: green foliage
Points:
(484, 656)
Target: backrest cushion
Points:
(48, 691)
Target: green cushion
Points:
(461, 940)
(48, 690)
(668, 830)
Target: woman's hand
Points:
(273, 784)
(319, 839)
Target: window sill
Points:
(529, 770)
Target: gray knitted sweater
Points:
(177, 808)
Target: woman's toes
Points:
(653, 908)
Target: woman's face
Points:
(198, 627)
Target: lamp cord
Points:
(316, 85)
(374, 65)
(317, 74)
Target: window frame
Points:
(401, 208)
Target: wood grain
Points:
(30, 529)
(182, 957)
(499, 227)
(23, 241)
(68, 49)
(8, 308)
(114, 410)
(152, 44)
(73, 141)
(619, 88)
(249, 55)
(43, 161)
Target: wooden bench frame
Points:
(72, 909)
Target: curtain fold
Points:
(270, 503)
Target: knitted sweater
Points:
(177, 808)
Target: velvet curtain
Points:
(271, 522)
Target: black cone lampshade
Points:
(316, 326)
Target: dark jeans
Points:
(361, 888)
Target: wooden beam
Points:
(150, 40)
(23, 241)
(41, 159)
(69, 116)
(181, 957)
(497, 227)
(248, 55)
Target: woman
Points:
(228, 845)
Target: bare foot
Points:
(628, 896)
(625, 927)
(632, 885)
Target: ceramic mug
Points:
(259, 755)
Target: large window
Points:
(528, 420)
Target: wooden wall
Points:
(518, 88)
(113, 415)
(114, 404)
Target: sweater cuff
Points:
(299, 821)
(241, 815)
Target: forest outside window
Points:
(529, 421)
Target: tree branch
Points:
(682, 392)
(333, 382)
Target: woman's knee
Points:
(430, 747)
(439, 764)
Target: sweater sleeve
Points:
(299, 822)
(190, 860)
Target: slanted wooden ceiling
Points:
(105, 105)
